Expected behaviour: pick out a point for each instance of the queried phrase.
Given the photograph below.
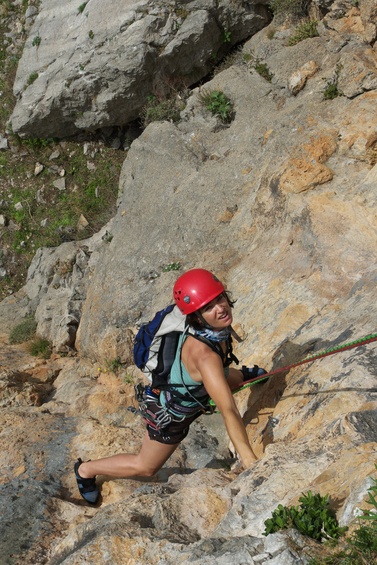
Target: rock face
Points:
(92, 65)
(281, 204)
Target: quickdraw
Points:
(337, 349)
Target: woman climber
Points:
(202, 364)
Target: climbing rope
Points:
(337, 349)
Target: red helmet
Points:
(195, 289)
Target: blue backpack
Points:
(156, 344)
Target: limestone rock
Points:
(298, 79)
(94, 72)
(281, 204)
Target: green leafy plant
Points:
(159, 109)
(36, 41)
(372, 499)
(91, 34)
(114, 365)
(304, 31)
(23, 331)
(81, 8)
(361, 547)
(37, 142)
(128, 379)
(218, 104)
(332, 89)
(171, 267)
(263, 70)
(32, 78)
(40, 347)
(227, 36)
(313, 518)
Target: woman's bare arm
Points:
(213, 378)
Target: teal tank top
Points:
(179, 374)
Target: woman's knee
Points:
(147, 471)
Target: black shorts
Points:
(174, 432)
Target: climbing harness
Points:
(337, 349)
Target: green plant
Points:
(372, 499)
(263, 70)
(360, 548)
(40, 347)
(37, 142)
(218, 103)
(304, 31)
(162, 109)
(332, 89)
(81, 8)
(23, 331)
(32, 78)
(114, 365)
(171, 267)
(227, 36)
(36, 41)
(312, 517)
(91, 34)
(181, 13)
(128, 379)
(247, 57)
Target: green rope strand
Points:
(345, 346)
(337, 349)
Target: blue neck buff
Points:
(213, 335)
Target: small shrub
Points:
(91, 34)
(32, 78)
(263, 71)
(332, 90)
(24, 331)
(218, 104)
(37, 143)
(361, 547)
(304, 31)
(114, 365)
(36, 41)
(271, 33)
(171, 267)
(81, 8)
(128, 379)
(162, 109)
(227, 36)
(40, 347)
(312, 518)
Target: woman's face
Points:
(217, 313)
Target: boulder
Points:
(80, 71)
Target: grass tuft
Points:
(40, 347)
(24, 331)
(305, 30)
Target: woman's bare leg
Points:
(146, 463)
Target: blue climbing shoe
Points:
(87, 487)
